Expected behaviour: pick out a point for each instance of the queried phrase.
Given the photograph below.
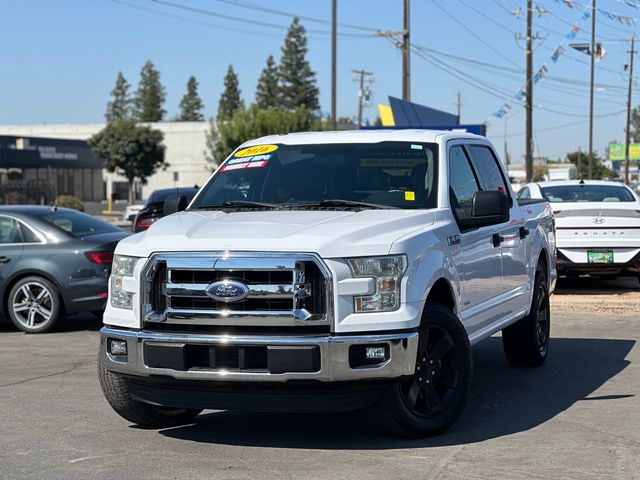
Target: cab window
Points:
(488, 169)
(462, 179)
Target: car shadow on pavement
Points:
(503, 401)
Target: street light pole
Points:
(593, 62)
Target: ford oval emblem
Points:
(227, 291)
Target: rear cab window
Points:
(488, 168)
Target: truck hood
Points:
(327, 233)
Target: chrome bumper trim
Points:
(334, 356)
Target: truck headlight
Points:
(387, 272)
(122, 267)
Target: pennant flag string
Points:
(625, 20)
(542, 72)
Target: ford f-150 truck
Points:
(330, 271)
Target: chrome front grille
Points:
(282, 290)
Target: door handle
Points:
(497, 239)
(5, 259)
(454, 239)
(523, 231)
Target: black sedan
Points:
(154, 207)
(53, 262)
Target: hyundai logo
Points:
(598, 220)
(227, 291)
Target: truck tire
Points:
(34, 305)
(116, 392)
(433, 399)
(526, 342)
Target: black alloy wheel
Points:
(437, 373)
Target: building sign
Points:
(32, 152)
(617, 151)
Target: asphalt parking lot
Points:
(578, 417)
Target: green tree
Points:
(119, 107)
(230, 101)
(267, 91)
(149, 99)
(224, 137)
(135, 151)
(191, 105)
(297, 80)
(635, 125)
(600, 171)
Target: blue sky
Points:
(60, 59)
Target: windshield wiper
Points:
(339, 202)
(237, 204)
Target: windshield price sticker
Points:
(257, 150)
(255, 158)
(239, 166)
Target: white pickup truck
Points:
(330, 271)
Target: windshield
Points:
(372, 175)
(78, 224)
(587, 193)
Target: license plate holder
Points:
(599, 256)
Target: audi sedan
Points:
(53, 262)
(597, 226)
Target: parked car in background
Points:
(597, 223)
(153, 208)
(130, 212)
(53, 261)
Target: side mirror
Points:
(488, 208)
(174, 203)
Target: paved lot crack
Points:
(39, 377)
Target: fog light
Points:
(368, 356)
(375, 353)
(117, 347)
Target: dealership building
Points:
(40, 162)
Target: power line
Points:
(472, 33)
(193, 20)
(233, 18)
(273, 11)
(557, 127)
(512, 73)
(484, 86)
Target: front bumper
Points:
(330, 357)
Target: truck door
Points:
(512, 235)
(10, 246)
(476, 257)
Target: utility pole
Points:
(629, 95)
(459, 107)
(404, 46)
(362, 93)
(591, 90)
(529, 103)
(406, 54)
(333, 62)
